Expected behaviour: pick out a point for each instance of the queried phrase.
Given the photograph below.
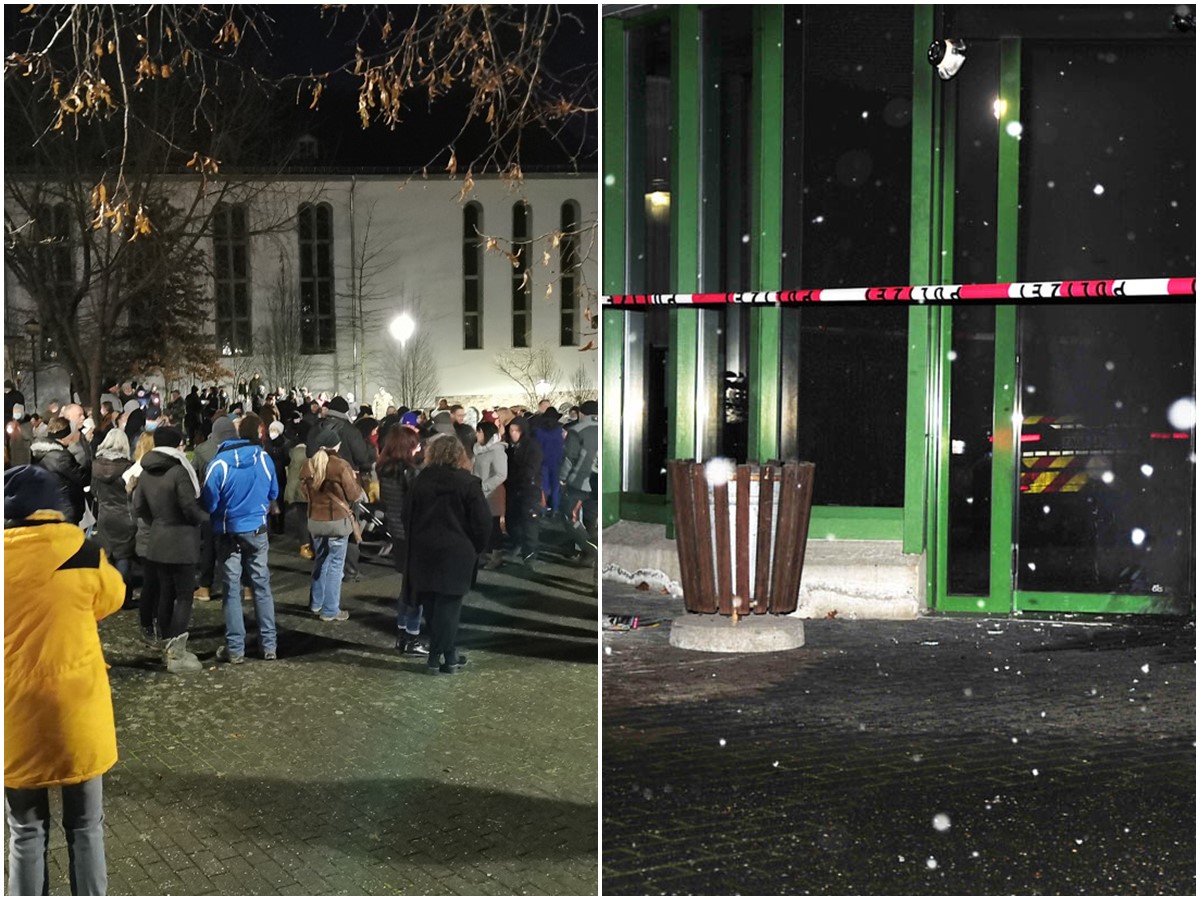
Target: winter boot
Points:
(495, 560)
(179, 660)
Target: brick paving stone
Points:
(839, 755)
(342, 767)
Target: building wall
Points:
(410, 231)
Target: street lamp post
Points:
(34, 328)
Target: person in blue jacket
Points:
(240, 489)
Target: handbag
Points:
(355, 528)
(496, 501)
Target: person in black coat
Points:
(524, 492)
(354, 449)
(115, 530)
(448, 524)
(398, 468)
(167, 499)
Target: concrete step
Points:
(844, 579)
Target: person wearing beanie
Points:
(59, 727)
(331, 490)
(239, 492)
(166, 499)
(353, 447)
(51, 453)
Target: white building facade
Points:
(496, 269)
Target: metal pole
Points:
(33, 363)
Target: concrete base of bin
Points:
(752, 634)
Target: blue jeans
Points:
(248, 550)
(28, 813)
(408, 613)
(328, 561)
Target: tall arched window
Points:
(522, 281)
(231, 280)
(569, 268)
(472, 277)
(317, 323)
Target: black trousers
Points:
(442, 612)
(172, 596)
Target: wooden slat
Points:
(806, 472)
(704, 552)
(685, 532)
(785, 537)
(724, 559)
(762, 577)
(742, 547)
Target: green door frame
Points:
(1002, 597)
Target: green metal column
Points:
(922, 253)
(612, 337)
(1005, 430)
(766, 229)
(685, 228)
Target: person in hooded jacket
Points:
(240, 489)
(523, 489)
(166, 498)
(354, 448)
(51, 453)
(115, 528)
(448, 523)
(399, 464)
(548, 432)
(59, 728)
(490, 466)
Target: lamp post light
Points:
(402, 328)
(33, 328)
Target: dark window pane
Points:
(972, 361)
(470, 260)
(324, 261)
(1108, 148)
(520, 221)
(470, 222)
(324, 222)
(306, 223)
(648, 162)
(471, 296)
(471, 332)
(239, 261)
(847, 181)
(238, 215)
(849, 407)
(976, 161)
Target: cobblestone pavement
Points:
(343, 768)
(936, 756)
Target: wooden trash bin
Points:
(751, 549)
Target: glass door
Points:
(1065, 475)
(1106, 491)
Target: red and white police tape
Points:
(1104, 289)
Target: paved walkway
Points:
(937, 756)
(343, 768)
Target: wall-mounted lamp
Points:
(658, 200)
(948, 56)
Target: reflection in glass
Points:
(1107, 489)
(649, 159)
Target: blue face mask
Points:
(152, 424)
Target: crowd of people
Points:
(183, 494)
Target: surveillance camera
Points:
(1184, 22)
(947, 56)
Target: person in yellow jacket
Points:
(59, 729)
